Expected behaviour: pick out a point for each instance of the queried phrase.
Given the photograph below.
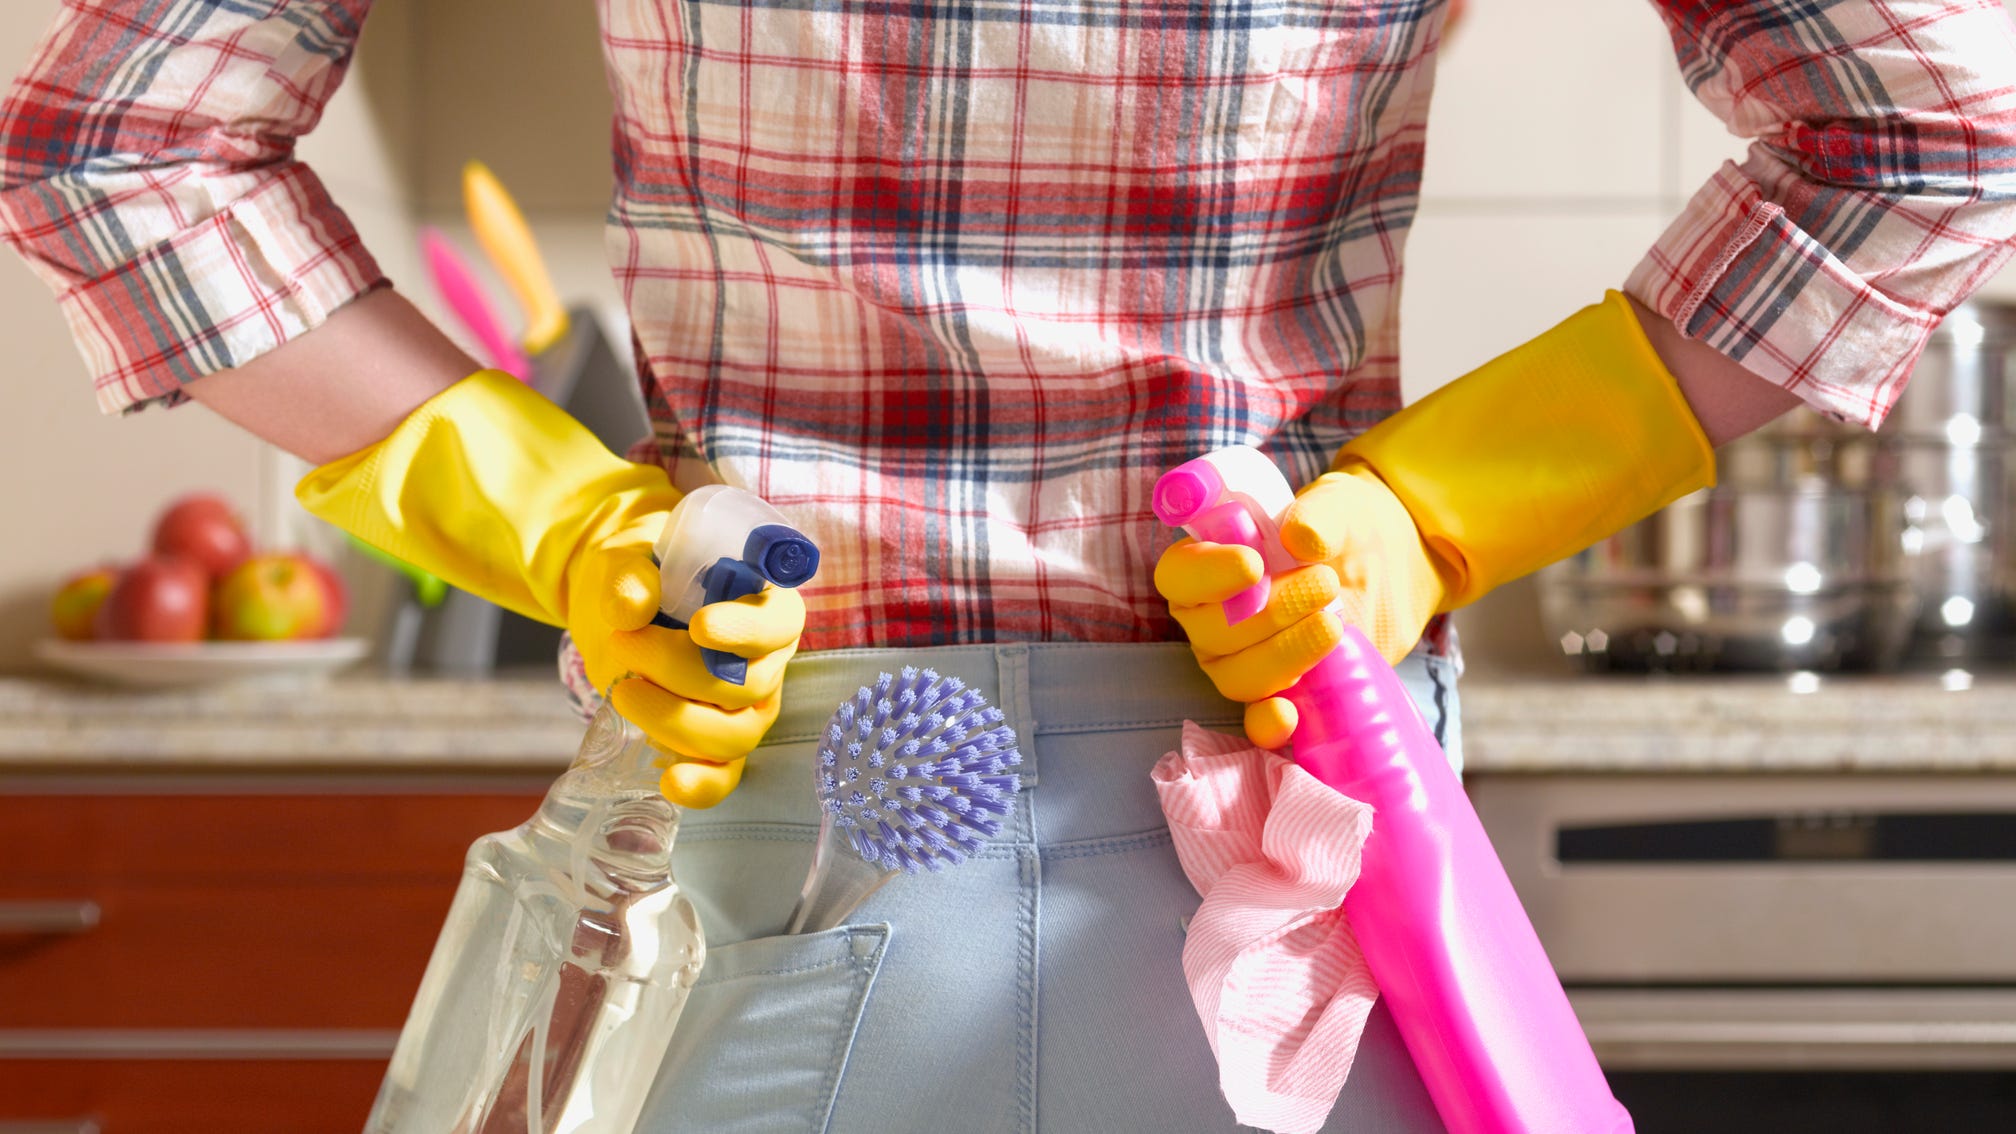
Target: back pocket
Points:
(766, 1034)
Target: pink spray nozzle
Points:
(1187, 490)
(1230, 522)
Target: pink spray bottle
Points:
(1470, 988)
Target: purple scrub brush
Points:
(912, 773)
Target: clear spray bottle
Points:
(569, 949)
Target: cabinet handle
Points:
(47, 918)
(50, 1126)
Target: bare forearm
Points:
(343, 385)
(1728, 400)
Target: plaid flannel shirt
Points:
(951, 283)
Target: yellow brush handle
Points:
(501, 230)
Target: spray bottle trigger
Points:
(726, 580)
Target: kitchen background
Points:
(1560, 143)
(1847, 997)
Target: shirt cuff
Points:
(273, 264)
(1735, 272)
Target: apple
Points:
(74, 608)
(205, 528)
(338, 604)
(276, 597)
(162, 598)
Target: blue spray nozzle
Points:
(720, 544)
(781, 554)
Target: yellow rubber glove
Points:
(1531, 457)
(1367, 555)
(498, 491)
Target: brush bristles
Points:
(914, 769)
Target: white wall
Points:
(1560, 142)
(82, 487)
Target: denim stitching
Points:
(767, 832)
(1092, 848)
(811, 968)
(997, 849)
(1028, 990)
(1000, 846)
(868, 967)
(1146, 722)
(1011, 682)
(780, 740)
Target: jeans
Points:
(1037, 984)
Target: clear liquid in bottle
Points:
(559, 976)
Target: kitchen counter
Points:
(1904, 723)
(1554, 725)
(362, 722)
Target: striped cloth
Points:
(1273, 966)
(951, 283)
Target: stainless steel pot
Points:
(1953, 434)
(1887, 545)
(1808, 575)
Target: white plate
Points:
(163, 665)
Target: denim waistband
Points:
(1042, 687)
(1090, 720)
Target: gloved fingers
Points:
(1316, 528)
(671, 659)
(1191, 573)
(1271, 721)
(752, 625)
(1268, 667)
(1392, 627)
(693, 729)
(627, 587)
(700, 783)
(1290, 598)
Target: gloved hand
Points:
(1531, 457)
(656, 679)
(1367, 555)
(496, 490)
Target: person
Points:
(950, 285)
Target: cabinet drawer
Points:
(276, 838)
(175, 1096)
(187, 955)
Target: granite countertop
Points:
(1563, 724)
(1953, 722)
(378, 723)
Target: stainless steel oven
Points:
(1745, 920)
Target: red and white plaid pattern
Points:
(1879, 193)
(951, 283)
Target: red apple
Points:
(273, 597)
(204, 528)
(74, 608)
(162, 598)
(338, 595)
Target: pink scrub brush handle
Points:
(1475, 998)
(464, 296)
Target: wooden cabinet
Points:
(179, 1096)
(230, 955)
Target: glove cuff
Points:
(493, 488)
(1540, 452)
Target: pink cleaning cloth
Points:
(1273, 967)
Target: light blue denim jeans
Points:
(1039, 984)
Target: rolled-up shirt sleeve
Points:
(147, 174)
(1879, 190)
